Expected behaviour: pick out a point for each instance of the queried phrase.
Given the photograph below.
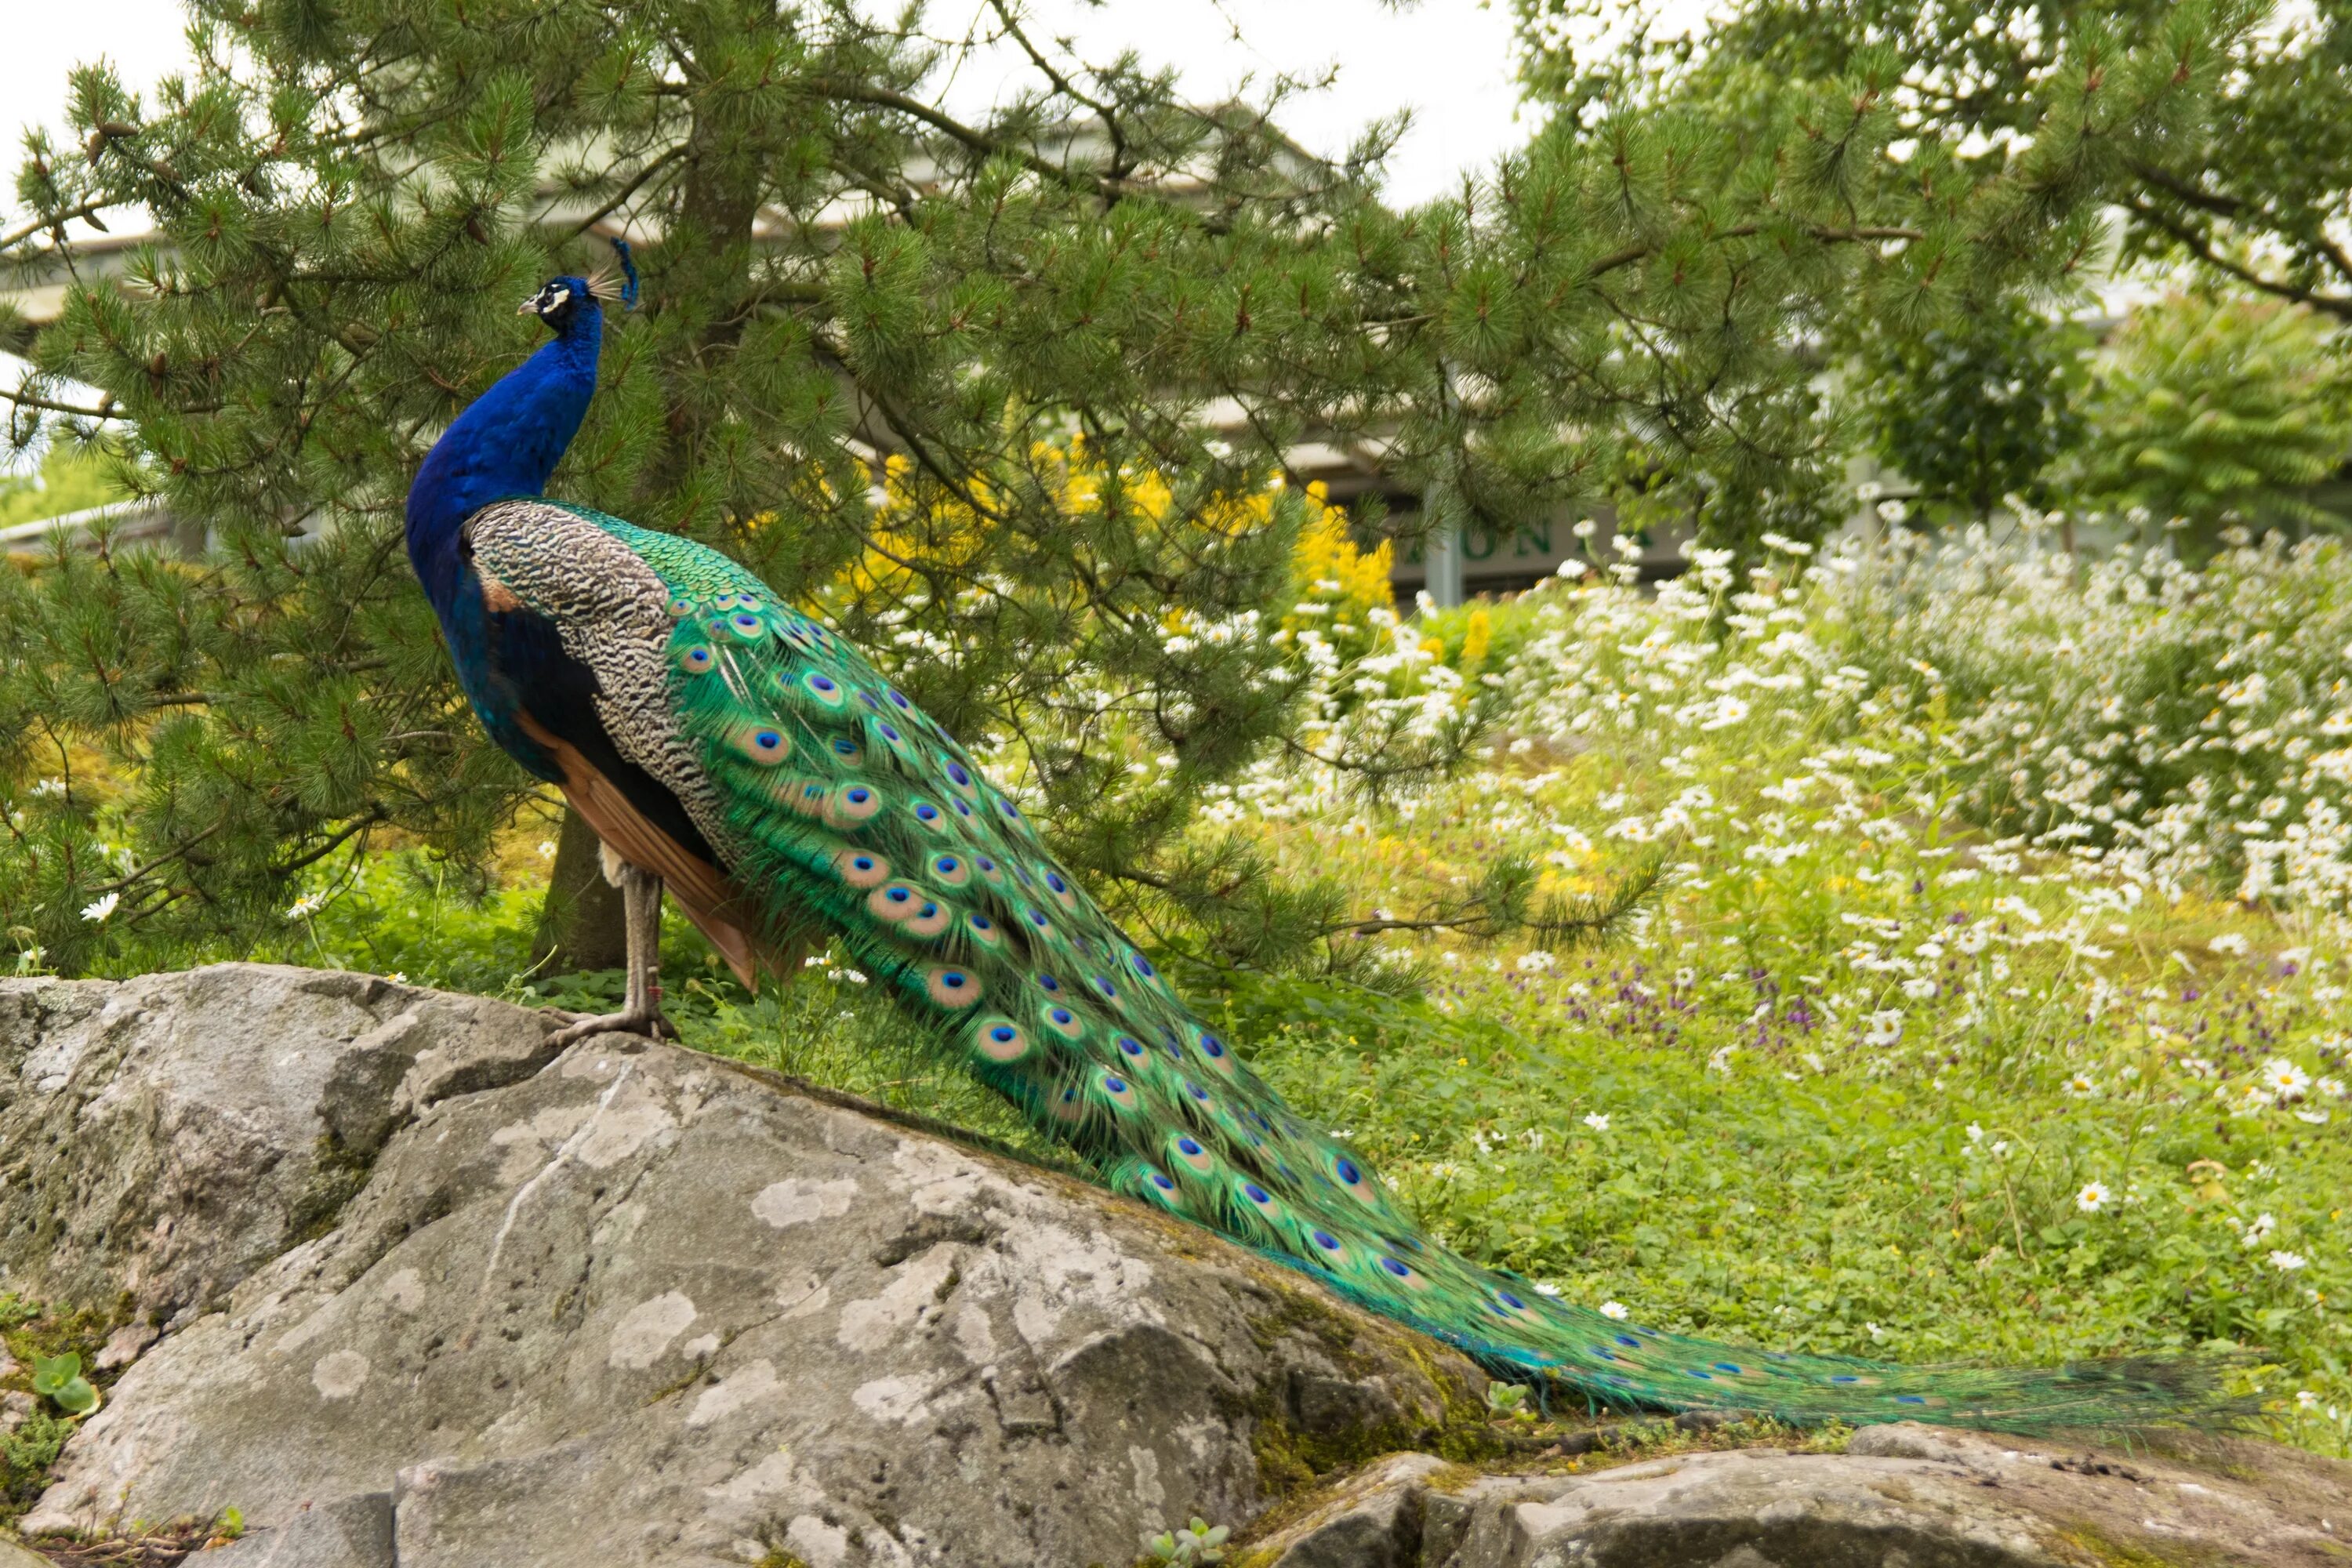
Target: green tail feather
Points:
(856, 817)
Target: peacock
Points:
(732, 750)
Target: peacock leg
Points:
(640, 1013)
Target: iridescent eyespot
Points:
(1054, 881)
(1347, 1172)
(1049, 983)
(898, 700)
(1513, 1302)
(1731, 1367)
(1402, 1270)
(1196, 1091)
(821, 683)
(1008, 808)
(855, 804)
(928, 921)
(1061, 1015)
(679, 609)
(860, 869)
(765, 746)
(958, 776)
(1164, 1182)
(1629, 1342)
(867, 698)
(962, 808)
(1106, 987)
(746, 626)
(1129, 1045)
(1140, 964)
(726, 601)
(1036, 918)
(843, 746)
(1326, 1241)
(1000, 1040)
(888, 732)
(1210, 1047)
(952, 987)
(698, 659)
(1188, 1145)
(1909, 1399)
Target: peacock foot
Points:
(649, 1022)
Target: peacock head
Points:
(558, 304)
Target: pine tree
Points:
(836, 268)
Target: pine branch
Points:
(977, 140)
(105, 409)
(55, 221)
(2201, 246)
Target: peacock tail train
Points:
(848, 815)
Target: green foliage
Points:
(58, 1380)
(2249, 190)
(353, 199)
(1508, 1401)
(1976, 409)
(26, 1456)
(2216, 411)
(1198, 1541)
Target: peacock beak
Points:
(530, 307)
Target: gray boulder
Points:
(649, 1307)
(1898, 1497)
(167, 1136)
(431, 1296)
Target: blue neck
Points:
(503, 446)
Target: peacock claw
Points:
(641, 1004)
(651, 1023)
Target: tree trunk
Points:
(579, 924)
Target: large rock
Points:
(438, 1299)
(1899, 1496)
(647, 1307)
(167, 1136)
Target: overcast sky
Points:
(1448, 60)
